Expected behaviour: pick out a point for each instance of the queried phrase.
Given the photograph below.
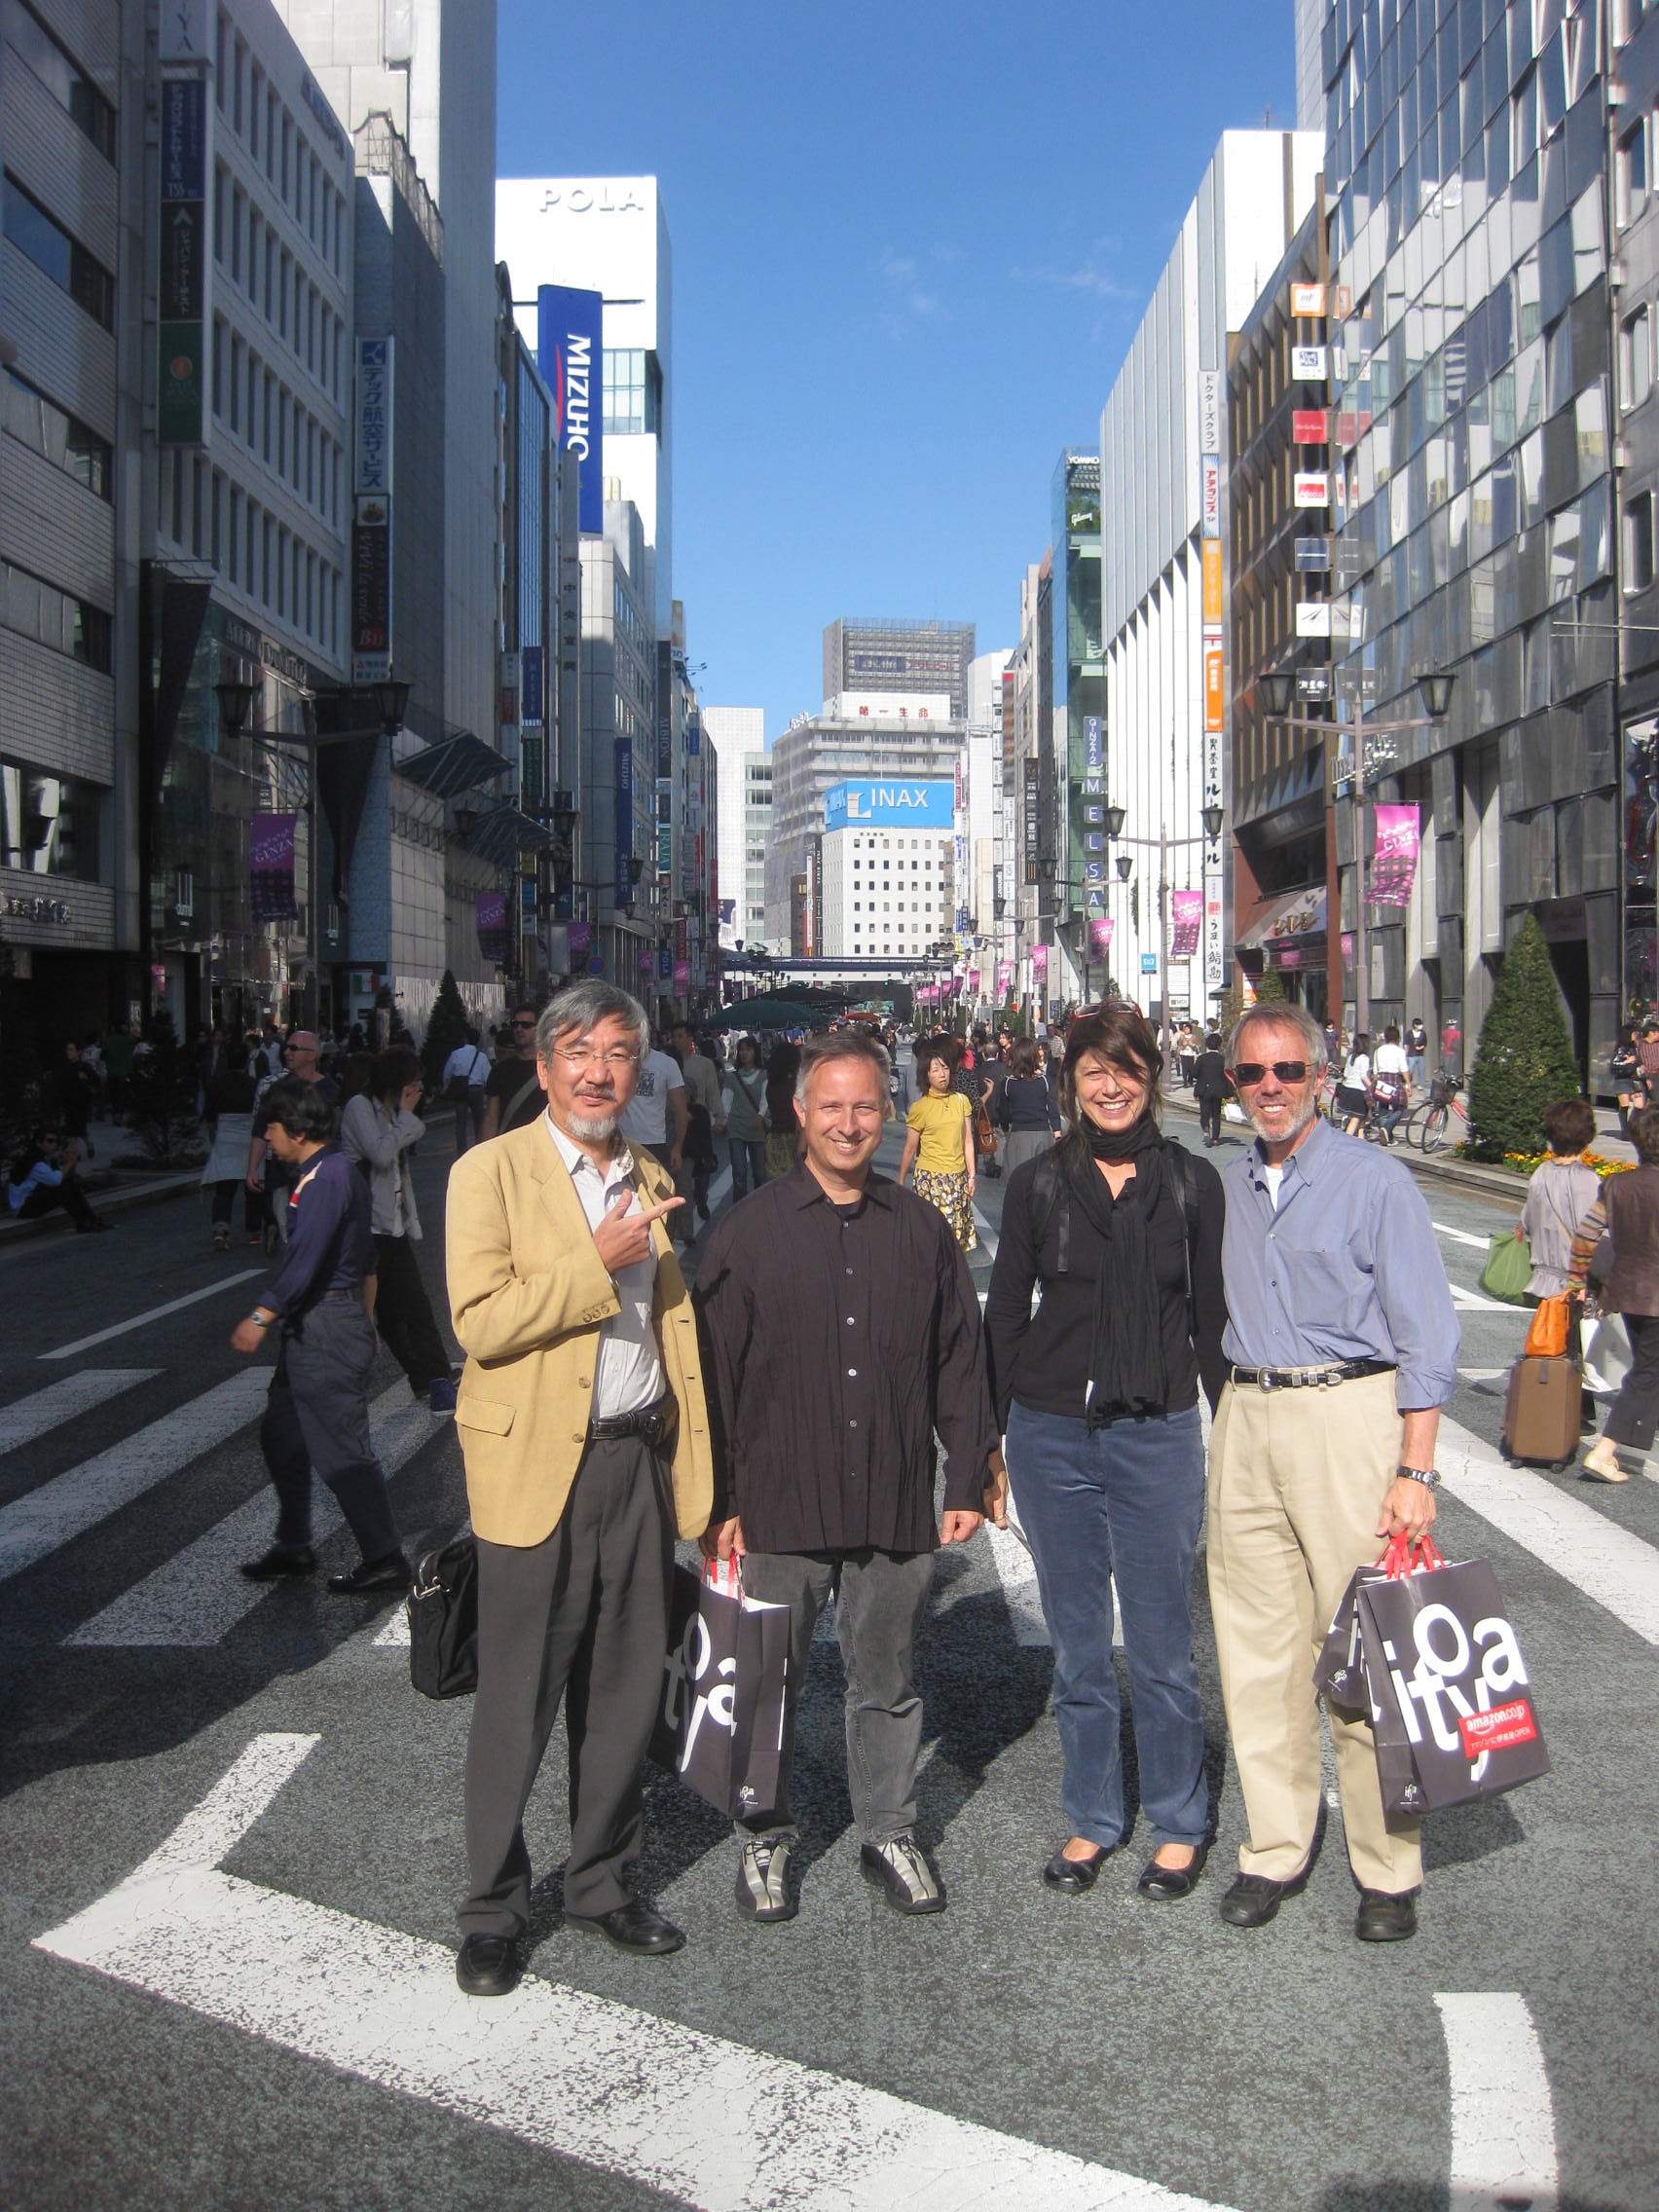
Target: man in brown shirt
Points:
(843, 1330)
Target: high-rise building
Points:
(739, 735)
(879, 653)
(817, 751)
(1164, 524)
(431, 66)
(985, 827)
(609, 236)
(885, 871)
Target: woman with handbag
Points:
(1626, 1215)
(939, 1143)
(1097, 1393)
(744, 1095)
(1625, 1069)
(1353, 1087)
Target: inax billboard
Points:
(895, 804)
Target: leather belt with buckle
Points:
(651, 1423)
(1310, 1378)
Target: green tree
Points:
(445, 1030)
(1269, 991)
(1524, 1061)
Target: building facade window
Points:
(62, 258)
(49, 824)
(1630, 175)
(38, 609)
(46, 428)
(1636, 357)
(61, 74)
(1639, 542)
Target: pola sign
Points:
(896, 804)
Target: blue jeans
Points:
(748, 1164)
(1124, 1498)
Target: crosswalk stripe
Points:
(1472, 1302)
(1460, 1235)
(1503, 2138)
(1612, 1567)
(25, 1418)
(35, 1525)
(695, 2117)
(155, 1314)
(196, 1598)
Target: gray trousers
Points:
(880, 1598)
(582, 1616)
(316, 1414)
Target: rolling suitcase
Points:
(1542, 1410)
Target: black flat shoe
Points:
(1163, 1883)
(488, 1966)
(1072, 1876)
(1385, 1917)
(1254, 1898)
(388, 1573)
(277, 1563)
(633, 1927)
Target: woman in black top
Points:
(1098, 1394)
(1026, 1107)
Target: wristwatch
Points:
(262, 1320)
(1429, 1477)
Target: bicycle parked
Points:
(1431, 1123)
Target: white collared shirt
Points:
(628, 1373)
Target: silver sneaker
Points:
(911, 1883)
(763, 1879)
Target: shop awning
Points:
(501, 832)
(455, 765)
(1289, 919)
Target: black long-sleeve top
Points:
(1044, 1358)
(1028, 1104)
(839, 1339)
(329, 1246)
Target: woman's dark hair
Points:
(1212, 1042)
(781, 1072)
(1121, 1034)
(301, 1107)
(1023, 1061)
(394, 1066)
(1644, 1126)
(1568, 1125)
(358, 1078)
(737, 1048)
(932, 1049)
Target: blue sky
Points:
(911, 243)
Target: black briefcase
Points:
(443, 1621)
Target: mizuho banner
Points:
(1393, 865)
(570, 353)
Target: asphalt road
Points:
(232, 1844)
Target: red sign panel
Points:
(1309, 426)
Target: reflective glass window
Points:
(47, 430)
(49, 824)
(62, 258)
(61, 75)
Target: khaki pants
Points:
(1296, 1481)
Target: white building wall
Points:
(430, 64)
(738, 732)
(1254, 195)
(885, 892)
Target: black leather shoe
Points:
(1166, 1882)
(1072, 1876)
(388, 1573)
(1253, 1899)
(273, 1564)
(632, 1926)
(488, 1966)
(1385, 1917)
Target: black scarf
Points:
(1126, 1365)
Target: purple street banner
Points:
(581, 941)
(1099, 938)
(491, 912)
(1186, 916)
(648, 961)
(682, 973)
(972, 981)
(271, 867)
(1393, 865)
(1004, 976)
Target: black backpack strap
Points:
(1187, 1206)
(1049, 1192)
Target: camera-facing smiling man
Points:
(1344, 1346)
(586, 1440)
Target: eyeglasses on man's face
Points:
(581, 1057)
(1251, 1072)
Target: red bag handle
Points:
(726, 1573)
(1396, 1557)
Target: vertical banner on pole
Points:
(1186, 910)
(270, 842)
(490, 909)
(1393, 866)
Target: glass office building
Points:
(1473, 167)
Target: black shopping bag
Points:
(724, 1713)
(1450, 1697)
(443, 1621)
(1338, 1672)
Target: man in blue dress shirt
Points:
(317, 1413)
(1344, 1344)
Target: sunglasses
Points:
(1251, 1072)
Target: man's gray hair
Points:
(582, 1007)
(843, 1045)
(1283, 1016)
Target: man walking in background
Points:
(514, 1096)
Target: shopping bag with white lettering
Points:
(1338, 1672)
(720, 1727)
(1449, 1688)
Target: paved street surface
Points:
(232, 1843)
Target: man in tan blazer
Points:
(586, 1440)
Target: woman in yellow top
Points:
(941, 1127)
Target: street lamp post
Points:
(236, 704)
(1435, 689)
(1165, 844)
